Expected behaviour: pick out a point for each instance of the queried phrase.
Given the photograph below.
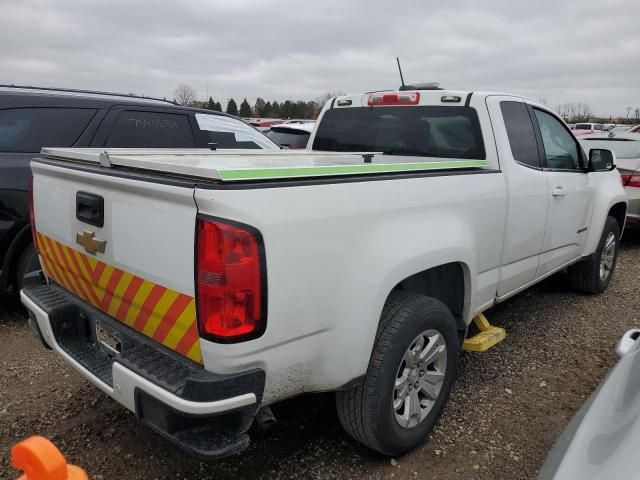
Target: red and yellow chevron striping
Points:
(165, 315)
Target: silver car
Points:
(626, 146)
(602, 440)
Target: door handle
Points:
(558, 192)
(90, 208)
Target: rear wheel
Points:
(28, 263)
(593, 275)
(410, 375)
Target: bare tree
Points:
(575, 112)
(185, 95)
(320, 101)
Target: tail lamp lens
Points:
(32, 216)
(229, 282)
(629, 177)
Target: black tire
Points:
(28, 263)
(584, 276)
(366, 412)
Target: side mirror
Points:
(601, 160)
(627, 342)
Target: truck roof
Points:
(239, 165)
(427, 97)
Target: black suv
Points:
(32, 118)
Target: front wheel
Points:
(593, 275)
(410, 375)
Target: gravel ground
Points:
(505, 412)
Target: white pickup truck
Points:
(197, 287)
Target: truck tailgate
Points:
(138, 265)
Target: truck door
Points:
(571, 191)
(528, 192)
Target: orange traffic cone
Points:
(39, 459)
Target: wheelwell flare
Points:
(619, 212)
(445, 283)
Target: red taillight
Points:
(629, 178)
(634, 180)
(393, 98)
(229, 281)
(32, 216)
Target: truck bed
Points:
(242, 165)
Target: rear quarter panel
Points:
(335, 251)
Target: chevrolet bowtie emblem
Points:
(90, 243)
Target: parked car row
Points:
(586, 128)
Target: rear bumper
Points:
(205, 413)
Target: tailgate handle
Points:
(90, 209)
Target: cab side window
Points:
(522, 137)
(138, 129)
(27, 130)
(560, 147)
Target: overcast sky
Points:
(562, 51)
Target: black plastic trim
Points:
(93, 202)
(209, 184)
(468, 100)
(73, 324)
(329, 180)
(208, 437)
(263, 281)
(121, 172)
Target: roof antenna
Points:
(400, 70)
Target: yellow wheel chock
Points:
(487, 337)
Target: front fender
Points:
(608, 192)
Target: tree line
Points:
(263, 109)
(186, 95)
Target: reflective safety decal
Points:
(162, 314)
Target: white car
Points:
(626, 147)
(596, 127)
(197, 288)
(293, 134)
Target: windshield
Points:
(621, 147)
(425, 131)
(289, 138)
(228, 132)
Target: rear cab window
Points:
(144, 129)
(27, 130)
(421, 130)
(228, 132)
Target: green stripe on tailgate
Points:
(319, 171)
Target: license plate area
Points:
(107, 339)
